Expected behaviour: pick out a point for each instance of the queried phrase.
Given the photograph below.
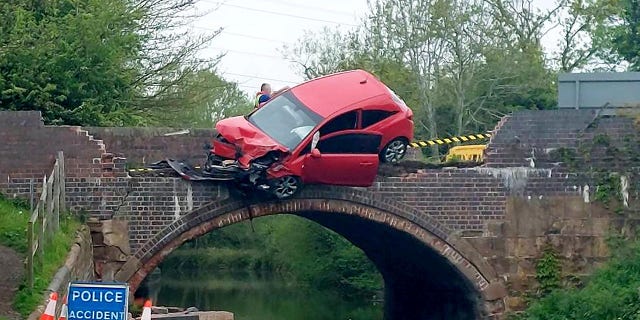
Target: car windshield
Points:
(285, 119)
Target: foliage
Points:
(13, 233)
(205, 260)
(548, 270)
(307, 253)
(69, 61)
(321, 258)
(611, 292)
(108, 63)
(624, 34)
(202, 100)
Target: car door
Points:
(347, 158)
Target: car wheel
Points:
(285, 187)
(394, 151)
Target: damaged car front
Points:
(257, 146)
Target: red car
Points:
(330, 130)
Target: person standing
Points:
(265, 94)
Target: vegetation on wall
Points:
(548, 271)
(611, 292)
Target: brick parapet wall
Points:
(575, 148)
(532, 138)
(148, 145)
(461, 199)
(152, 203)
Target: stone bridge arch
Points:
(423, 263)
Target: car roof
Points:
(331, 93)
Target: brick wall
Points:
(461, 199)
(147, 145)
(29, 149)
(569, 149)
(152, 203)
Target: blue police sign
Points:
(97, 301)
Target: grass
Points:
(14, 217)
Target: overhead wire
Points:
(297, 5)
(262, 78)
(236, 34)
(250, 53)
(282, 14)
(267, 39)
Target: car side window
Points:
(371, 117)
(346, 121)
(352, 143)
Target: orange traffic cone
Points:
(50, 311)
(146, 311)
(63, 311)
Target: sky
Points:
(253, 54)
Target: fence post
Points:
(31, 195)
(42, 219)
(56, 197)
(62, 183)
(30, 252)
(48, 215)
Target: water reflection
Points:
(260, 297)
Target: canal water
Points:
(259, 297)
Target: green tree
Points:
(582, 23)
(200, 101)
(625, 41)
(322, 259)
(94, 62)
(69, 61)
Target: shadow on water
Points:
(259, 297)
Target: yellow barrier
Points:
(473, 152)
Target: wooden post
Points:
(42, 220)
(32, 192)
(62, 183)
(56, 197)
(48, 215)
(31, 252)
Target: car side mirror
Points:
(315, 153)
(315, 139)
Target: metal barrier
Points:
(45, 217)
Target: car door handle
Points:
(366, 164)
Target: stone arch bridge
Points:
(450, 243)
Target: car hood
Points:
(252, 142)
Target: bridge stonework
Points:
(537, 188)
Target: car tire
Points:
(285, 187)
(394, 151)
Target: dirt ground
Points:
(11, 271)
